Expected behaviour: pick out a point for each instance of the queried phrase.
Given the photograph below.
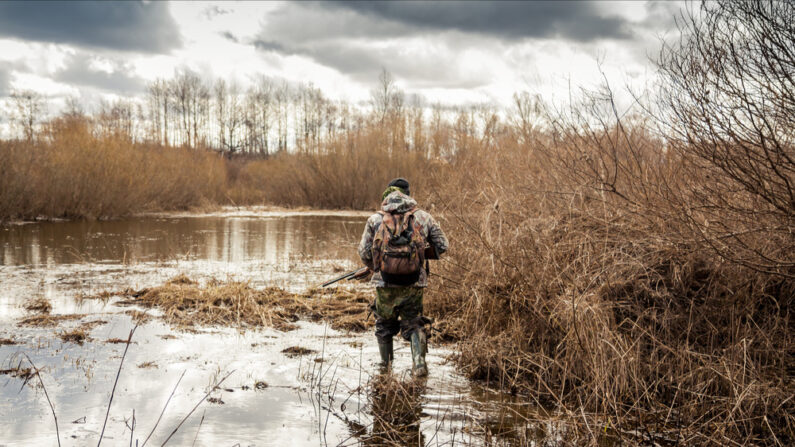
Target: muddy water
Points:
(268, 397)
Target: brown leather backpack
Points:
(399, 248)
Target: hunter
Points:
(394, 246)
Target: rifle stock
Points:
(356, 274)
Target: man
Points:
(389, 248)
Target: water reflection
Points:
(146, 239)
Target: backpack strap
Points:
(407, 216)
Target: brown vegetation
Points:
(39, 305)
(396, 409)
(297, 351)
(74, 336)
(186, 303)
(47, 320)
(19, 372)
(71, 171)
(639, 280)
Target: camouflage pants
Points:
(398, 309)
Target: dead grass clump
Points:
(48, 320)
(147, 365)
(180, 280)
(8, 341)
(74, 336)
(138, 316)
(232, 303)
(396, 409)
(297, 351)
(116, 341)
(89, 325)
(38, 304)
(22, 373)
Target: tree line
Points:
(267, 117)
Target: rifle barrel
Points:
(339, 278)
(348, 276)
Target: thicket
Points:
(73, 171)
(638, 272)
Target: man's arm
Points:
(436, 236)
(366, 244)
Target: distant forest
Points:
(268, 117)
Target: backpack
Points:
(399, 248)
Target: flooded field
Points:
(312, 385)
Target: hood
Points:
(397, 202)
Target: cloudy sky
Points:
(448, 51)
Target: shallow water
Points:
(320, 398)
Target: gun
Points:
(356, 274)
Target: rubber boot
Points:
(385, 349)
(419, 346)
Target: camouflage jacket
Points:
(432, 232)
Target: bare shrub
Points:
(728, 105)
(351, 172)
(72, 171)
(576, 277)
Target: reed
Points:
(577, 278)
(72, 171)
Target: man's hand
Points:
(362, 274)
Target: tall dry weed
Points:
(72, 171)
(575, 278)
(350, 172)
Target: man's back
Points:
(397, 202)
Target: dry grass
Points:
(576, 279)
(396, 409)
(74, 172)
(22, 373)
(8, 342)
(39, 305)
(48, 320)
(74, 336)
(297, 351)
(349, 174)
(186, 304)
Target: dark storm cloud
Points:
(131, 26)
(579, 21)
(341, 39)
(359, 38)
(78, 72)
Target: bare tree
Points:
(29, 108)
(384, 95)
(158, 103)
(259, 112)
(117, 118)
(729, 95)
